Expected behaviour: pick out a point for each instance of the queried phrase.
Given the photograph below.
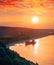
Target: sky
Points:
(19, 13)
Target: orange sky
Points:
(20, 13)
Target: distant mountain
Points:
(17, 34)
(12, 31)
(17, 31)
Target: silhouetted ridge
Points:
(17, 31)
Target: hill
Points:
(18, 31)
(12, 34)
(9, 57)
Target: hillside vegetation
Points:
(9, 57)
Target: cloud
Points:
(26, 4)
(33, 5)
(48, 4)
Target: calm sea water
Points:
(42, 52)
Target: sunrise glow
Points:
(35, 19)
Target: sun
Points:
(35, 19)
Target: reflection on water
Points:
(42, 52)
(36, 46)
